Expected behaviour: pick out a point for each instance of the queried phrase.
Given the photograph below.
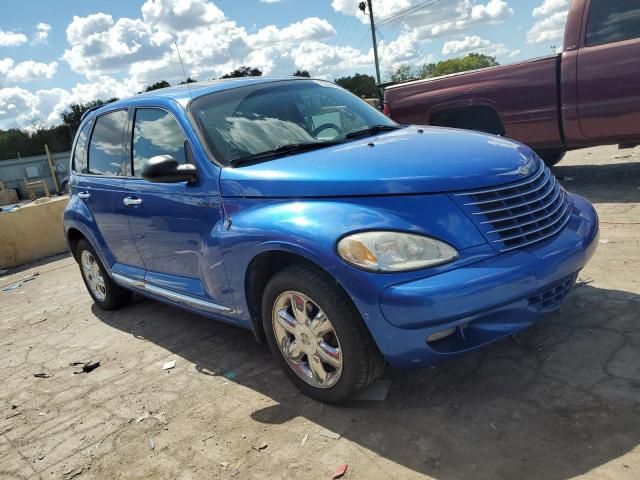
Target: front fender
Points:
(310, 229)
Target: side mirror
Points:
(166, 169)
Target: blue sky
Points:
(56, 53)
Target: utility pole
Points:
(363, 6)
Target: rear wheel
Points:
(317, 336)
(105, 293)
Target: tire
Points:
(552, 158)
(360, 362)
(105, 293)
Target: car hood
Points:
(412, 160)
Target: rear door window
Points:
(105, 148)
(80, 152)
(155, 132)
(613, 21)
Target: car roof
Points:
(184, 93)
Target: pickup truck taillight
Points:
(387, 109)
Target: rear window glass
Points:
(105, 148)
(613, 21)
(79, 152)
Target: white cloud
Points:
(27, 70)
(309, 29)
(140, 51)
(550, 6)
(467, 44)
(15, 102)
(18, 105)
(549, 29)
(270, 1)
(180, 15)
(99, 45)
(475, 44)
(434, 20)
(11, 39)
(42, 32)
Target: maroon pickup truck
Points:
(586, 96)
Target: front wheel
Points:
(317, 336)
(105, 293)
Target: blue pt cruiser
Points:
(344, 240)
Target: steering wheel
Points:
(326, 126)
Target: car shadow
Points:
(588, 180)
(553, 402)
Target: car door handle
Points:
(130, 201)
(84, 195)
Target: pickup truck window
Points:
(105, 148)
(613, 21)
(155, 132)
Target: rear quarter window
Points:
(80, 151)
(613, 21)
(106, 145)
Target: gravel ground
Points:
(561, 400)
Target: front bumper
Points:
(485, 301)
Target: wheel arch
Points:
(479, 117)
(74, 235)
(262, 267)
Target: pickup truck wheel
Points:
(552, 158)
(317, 336)
(105, 293)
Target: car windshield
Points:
(264, 121)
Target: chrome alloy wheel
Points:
(307, 339)
(92, 274)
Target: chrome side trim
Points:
(169, 294)
(127, 281)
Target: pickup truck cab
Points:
(293, 209)
(586, 96)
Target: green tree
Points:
(188, 80)
(25, 143)
(402, 73)
(157, 85)
(302, 73)
(473, 61)
(359, 84)
(73, 114)
(243, 72)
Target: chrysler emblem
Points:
(523, 170)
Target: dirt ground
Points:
(559, 401)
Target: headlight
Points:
(394, 251)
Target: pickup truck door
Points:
(173, 224)
(608, 70)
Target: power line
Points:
(404, 13)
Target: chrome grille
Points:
(519, 214)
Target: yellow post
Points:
(53, 170)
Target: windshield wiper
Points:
(372, 130)
(283, 150)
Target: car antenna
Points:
(186, 79)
